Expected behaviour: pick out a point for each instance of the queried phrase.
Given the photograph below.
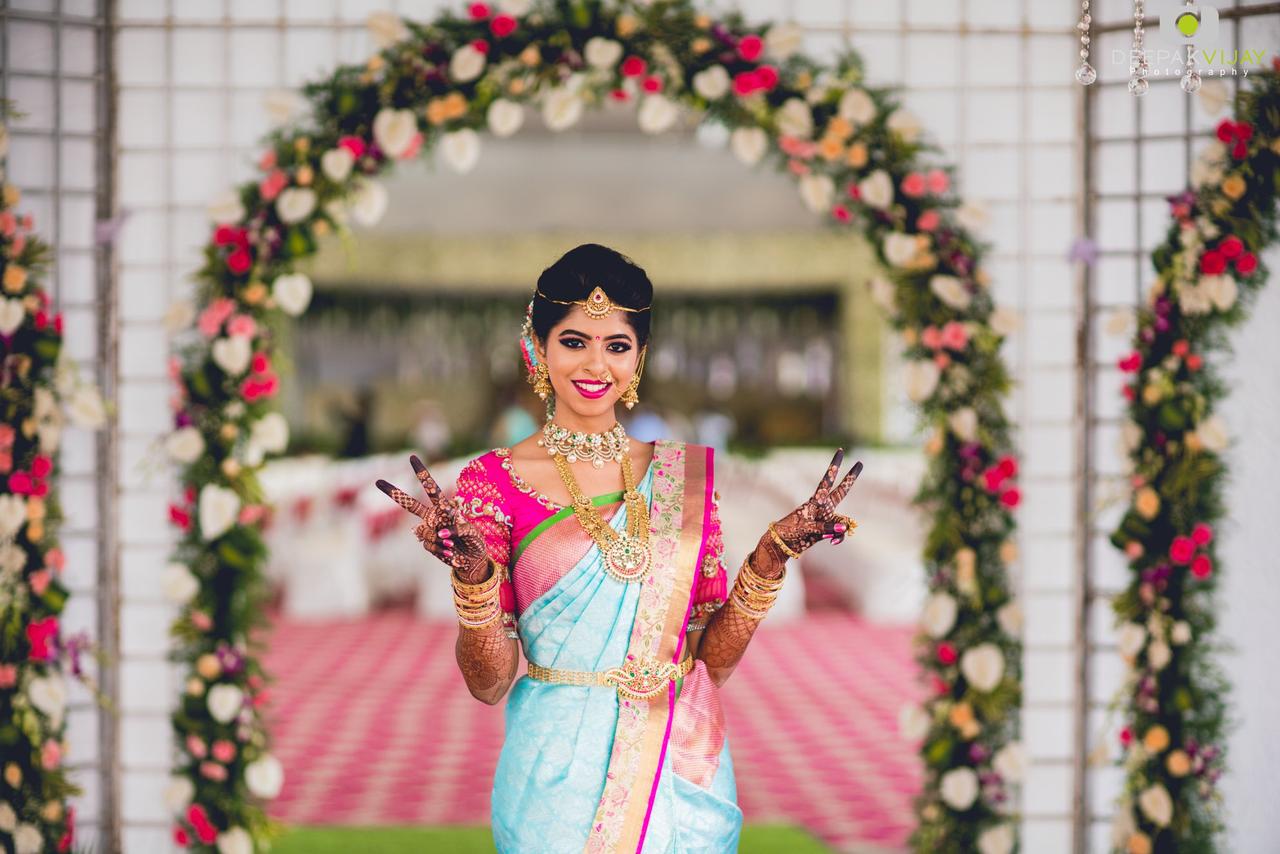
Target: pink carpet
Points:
(374, 726)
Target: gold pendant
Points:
(627, 559)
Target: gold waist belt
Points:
(641, 679)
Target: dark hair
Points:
(578, 272)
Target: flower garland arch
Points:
(40, 392)
(1208, 270)
(858, 161)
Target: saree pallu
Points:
(582, 769)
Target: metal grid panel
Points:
(1140, 151)
(54, 67)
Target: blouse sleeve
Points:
(480, 500)
(711, 585)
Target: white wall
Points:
(987, 78)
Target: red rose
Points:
(41, 466)
(1202, 534)
(746, 82)
(750, 48)
(261, 364)
(20, 483)
(1010, 498)
(1130, 363)
(841, 213)
(634, 66)
(1129, 393)
(1212, 263)
(57, 323)
(854, 191)
(946, 653)
(181, 837)
(40, 634)
(481, 46)
(502, 26)
(199, 819)
(1126, 737)
(479, 11)
(652, 83)
(1181, 347)
(1182, 550)
(64, 844)
(1009, 466)
(354, 144)
(225, 235)
(1246, 263)
(1194, 362)
(40, 489)
(179, 517)
(1240, 150)
(1202, 567)
(1231, 246)
(767, 75)
(239, 261)
(620, 95)
(41, 320)
(1226, 130)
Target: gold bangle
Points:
(479, 587)
(787, 550)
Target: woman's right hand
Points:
(443, 531)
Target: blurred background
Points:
(767, 346)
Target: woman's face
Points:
(591, 361)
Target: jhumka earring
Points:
(630, 397)
(542, 381)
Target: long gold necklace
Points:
(626, 556)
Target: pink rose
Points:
(8, 223)
(201, 620)
(196, 747)
(242, 326)
(354, 144)
(8, 675)
(931, 337)
(913, 186)
(271, 185)
(213, 771)
(955, 336)
(1202, 534)
(50, 755)
(223, 750)
(39, 581)
(928, 220)
(267, 160)
(1202, 567)
(212, 318)
(19, 243)
(938, 182)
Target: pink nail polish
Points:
(840, 526)
(444, 532)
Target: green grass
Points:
(756, 839)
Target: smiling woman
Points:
(605, 594)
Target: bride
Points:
(612, 584)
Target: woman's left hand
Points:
(817, 518)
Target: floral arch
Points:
(858, 162)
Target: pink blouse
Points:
(505, 508)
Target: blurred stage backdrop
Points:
(767, 344)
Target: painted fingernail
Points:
(448, 553)
(444, 532)
(841, 526)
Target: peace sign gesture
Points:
(444, 531)
(817, 518)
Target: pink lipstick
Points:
(591, 390)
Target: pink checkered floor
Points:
(811, 712)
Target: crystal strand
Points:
(1191, 76)
(1085, 74)
(1138, 67)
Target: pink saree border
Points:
(676, 535)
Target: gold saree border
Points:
(640, 737)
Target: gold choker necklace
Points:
(599, 448)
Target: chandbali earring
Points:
(630, 397)
(542, 381)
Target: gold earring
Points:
(542, 381)
(630, 397)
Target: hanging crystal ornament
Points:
(1191, 75)
(1085, 74)
(1138, 67)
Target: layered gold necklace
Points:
(626, 555)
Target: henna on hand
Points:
(486, 656)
